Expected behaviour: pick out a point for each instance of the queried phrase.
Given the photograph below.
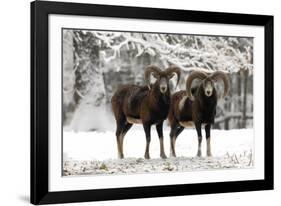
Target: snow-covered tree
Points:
(68, 74)
(102, 60)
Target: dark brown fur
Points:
(198, 108)
(141, 103)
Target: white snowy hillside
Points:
(92, 153)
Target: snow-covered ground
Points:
(96, 152)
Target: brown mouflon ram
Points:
(196, 107)
(147, 105)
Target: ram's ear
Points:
(151, 70)
(155, 75)
(171, 75)
(172, 70)
(219, 75)
(192, 76)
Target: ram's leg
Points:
(175, 131)
(147, 128)
(125, 129)
(173, 141)
(118, 139)
(199, 134)
(208, 138)
(159, 128)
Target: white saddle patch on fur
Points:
(181, 103)
(187, 124)
(132, 120)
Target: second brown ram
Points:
(196, 106)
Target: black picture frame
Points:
(40, 102)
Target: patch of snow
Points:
(90, 118)
(96, 152)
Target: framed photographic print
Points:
(131, 102)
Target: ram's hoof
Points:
(147, 156)
(120, 156)
(209, 154)
(163, 156)
(173, 155)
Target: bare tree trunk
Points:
(68, 74)
(244, 112)
(226, 124)
(90, 113)
(239, 85)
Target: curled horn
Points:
(221, 75)
(151, 70)
(194, 75)
(174, 70)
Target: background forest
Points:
(95, 63)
